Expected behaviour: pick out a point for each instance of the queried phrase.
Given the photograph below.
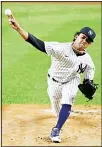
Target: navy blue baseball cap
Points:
(89, 32)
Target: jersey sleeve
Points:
(37, 43)
(90, 70)
(53, 48)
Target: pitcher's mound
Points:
(30, 125)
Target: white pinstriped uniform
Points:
(65, 67)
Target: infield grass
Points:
(24, 69)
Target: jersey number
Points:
(81, 69)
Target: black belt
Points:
(52, 78)
(56, 80)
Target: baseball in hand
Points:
(8, 12)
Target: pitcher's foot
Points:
(54, 136)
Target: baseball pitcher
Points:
(68, 61)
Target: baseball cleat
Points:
(54, 136)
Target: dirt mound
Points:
(30, 125)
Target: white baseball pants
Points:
(62, 93)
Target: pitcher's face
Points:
(81, 42)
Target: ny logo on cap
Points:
(90, 32)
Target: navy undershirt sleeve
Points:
(37, 43)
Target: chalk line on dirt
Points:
(76, 111)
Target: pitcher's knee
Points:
(56, 105)
(68, 100)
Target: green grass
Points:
(24, 69)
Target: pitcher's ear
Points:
(76, 36)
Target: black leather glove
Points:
(88, 88)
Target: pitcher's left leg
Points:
(67, 100)
(69, 91)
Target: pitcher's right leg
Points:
(54, 92)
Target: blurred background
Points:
(24, 69)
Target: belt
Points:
(52, 78)
(56, 80)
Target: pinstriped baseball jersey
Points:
(66, 64)
(66, 67)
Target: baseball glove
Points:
(88, 88)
